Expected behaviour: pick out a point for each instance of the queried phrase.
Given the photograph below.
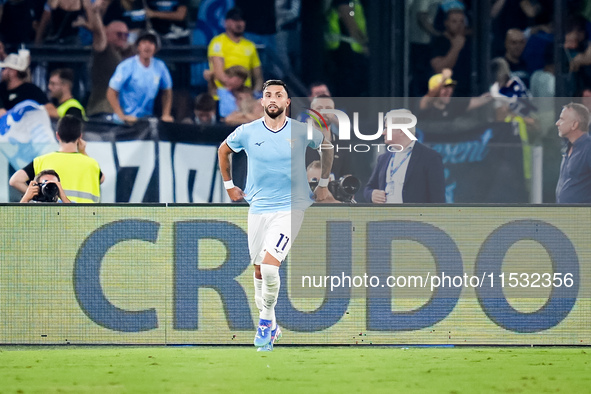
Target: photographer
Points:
(81, 174)
(338, 191)
(46, 187)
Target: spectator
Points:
(261, 28)
(288, 35)
(315, 89)
(60, 89)
(511, 14)
(249, 108)
(204, 109)
(421, 17)
(543, 82)
(411, 175)
(347, 44)
(14, 87)
(231, 49)
(169, 20)
(513, 106)
(61, 19)
(130, 12)
(508, 90)
(435, 104)
(137, 80)
(109, 48)
(577, 49)
(438, 104)
(574, 183)
(37, 191)
(235, 78)
(453, 50)
(514, 46)
(341, 164)
(318, 88)
(16, 21)
(80, 175)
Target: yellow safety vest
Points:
(66, 105)
(526, 147)
(333, 35)
(79, 174)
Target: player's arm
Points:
(224, 159)
(326, 158)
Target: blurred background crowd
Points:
(204, 61)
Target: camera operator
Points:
(342, 190)
(46, 187)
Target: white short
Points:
(272, 232)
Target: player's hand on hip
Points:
(320, 193)
(236, 194)
(378, 196)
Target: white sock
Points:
(270, 291)
(258, 293)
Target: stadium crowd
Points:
(251, 41)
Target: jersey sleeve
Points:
(215, 48)
(235, 140)
(119, 76)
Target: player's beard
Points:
(273, 115)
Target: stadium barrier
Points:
(179, 274)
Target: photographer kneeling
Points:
(46, 187)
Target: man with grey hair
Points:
(408, 172)
(574, 182)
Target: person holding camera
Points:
(81, 175)
(46, 187)
(342, 190)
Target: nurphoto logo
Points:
(391, 120)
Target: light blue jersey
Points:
(276, 179)
(138, 85)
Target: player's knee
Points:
(270, 274)
(257, 272)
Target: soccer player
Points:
(278, 193)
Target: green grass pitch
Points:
(363, 369)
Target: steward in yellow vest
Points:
(80, 174)
(60, 88)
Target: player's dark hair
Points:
(276, 82)
(69, 128)
(47, 172)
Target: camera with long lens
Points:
(342, 190)
(48, 192)
(345, 188)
